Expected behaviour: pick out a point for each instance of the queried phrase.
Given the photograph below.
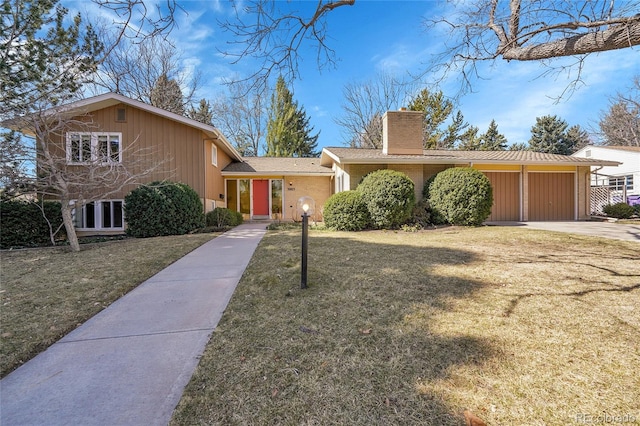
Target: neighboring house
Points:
(614, 184)
(527, 186)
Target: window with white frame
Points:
(83, 148)
(619, 183)
(100, 215)
(214, 154)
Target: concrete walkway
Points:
(617, 231)
(129, 364)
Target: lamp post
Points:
(307, 205)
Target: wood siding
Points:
(506, 196)
(551, 196)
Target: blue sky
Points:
(389, 36)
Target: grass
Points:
(47, 292)
(521, 327)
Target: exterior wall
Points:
(177, 149)
(357, 171)
(402, 132)
(583, 201)
(319, 188)
(630, 165)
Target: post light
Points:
(307, 205)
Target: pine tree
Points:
(166, 94)
(577, 138)
(492, 140)
(548, 135)
(453, 131)
(288, 128)
(469, 140)
(436, 110)
(203, 114)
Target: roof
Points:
(95, 103)
(375, 156)
(610, 147)
(277, 166)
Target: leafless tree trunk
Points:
(620, 125)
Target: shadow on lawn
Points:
(359, 341)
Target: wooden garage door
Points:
(551, 196)
(506, 196)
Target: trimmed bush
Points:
(221, 217)
(389, 197)
(163, 208)
(619, 210)
(346, 211)
(462, 195)
(24, 226)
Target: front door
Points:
(261, 197)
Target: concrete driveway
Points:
(617, 231)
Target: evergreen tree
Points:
(453, 131)
(492, 140)
(577, 138)
(203, 114)
(469, 140)
(288, 127)
(436, 110)
(166, 94)
(519, 146)
(550, 135)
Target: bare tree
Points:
(482, 30)
(364, 105)
(133, 69)
(533, 30)
(273, 32)
(242, 117)
(620, 125)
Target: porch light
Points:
(307, 205)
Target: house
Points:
(182, 150)
(527, 186)
(609, 184)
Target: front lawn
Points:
(521, 327)
(47, 292)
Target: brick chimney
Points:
(402, 132)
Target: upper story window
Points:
(214, 154)
(84, 148)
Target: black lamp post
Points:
(306, 204)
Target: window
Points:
(100, 215)
(619, 183)
(276, 196)
(214, 154)
(83, 148)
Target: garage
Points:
(551, 196)
(506, 196)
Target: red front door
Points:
(261, 197)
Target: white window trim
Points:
(94, 147)
(214, 154)
(97, 217)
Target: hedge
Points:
(346, 211)
(462, 195)
(23, 224)
(163, 208)
(221, 217)
(389, 196)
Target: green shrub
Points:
(221, 217)
(23, 224)
(346, 211)
(619, 210)
(426, 189)
(163, 208)
(389, 197)
(462, 195)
